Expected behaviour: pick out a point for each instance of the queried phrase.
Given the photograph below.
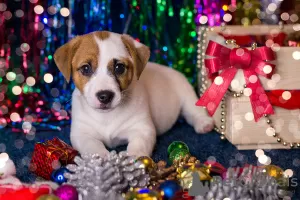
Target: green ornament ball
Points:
(177, 145)
(177, 154)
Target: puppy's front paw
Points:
(138, 153)
(203, 124)
(102, 152)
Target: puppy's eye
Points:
(119, 69)
(86, 70)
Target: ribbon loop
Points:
(228, 61)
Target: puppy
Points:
(120, 97)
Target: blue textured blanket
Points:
(204, 146)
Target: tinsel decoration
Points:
(186, 161)
(186, 175)
(162, 173)
(106, 178)
(252, 183)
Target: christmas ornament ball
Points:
(273, 171)
(277, 173)
(147, 162)
(66, 192)
(143, 194)
(177, 145)
(169, 188)
(58, 177)
(177, 154)
(48, 197)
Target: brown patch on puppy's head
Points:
(63, 57)
(102, 35)
(125, 78)
(80, 51)
(139, 53)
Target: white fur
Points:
(156, 101)
(8, 169)
(7, 174)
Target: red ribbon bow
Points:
(228, 61)
(64, 151)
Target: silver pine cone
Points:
(106, 178)
(251, 184)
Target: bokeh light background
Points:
(34, 94)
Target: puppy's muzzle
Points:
(105, 96)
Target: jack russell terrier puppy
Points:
(120, 97)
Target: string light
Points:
(296, 55)
(30, 81)
(286, 95)
(227, 17)
(19, 13)
(3, 123)
(259, 152)
(225, 7)
(263, 159)
(33, 1)
(7, 15)
(25, 47)
(288, 173)
(48, 78)
(285, 16)
(38, 9)
(203, 19)
(17, 90)
(52, 10)
(3, 7)
(64, 12)
(272, 7)
(15, 117)
(11, 76)
(294, 18)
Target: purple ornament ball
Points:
(67, 192)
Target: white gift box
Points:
(237, 120)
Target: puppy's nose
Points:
(105, 96)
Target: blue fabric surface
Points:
(20, 148)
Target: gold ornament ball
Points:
(148, 163)
(278, 174)
(274, 171)
(48, 197)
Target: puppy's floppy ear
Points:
(139, 53)
(63, 57)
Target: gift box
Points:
(50, 155)
(251, 90)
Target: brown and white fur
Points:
(143, 105)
